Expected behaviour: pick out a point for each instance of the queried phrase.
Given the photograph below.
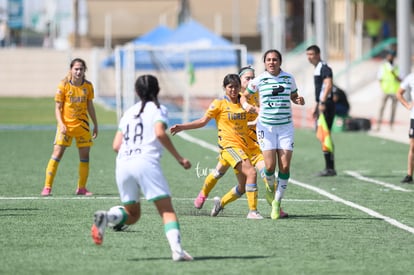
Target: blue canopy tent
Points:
(189, 43)
(151, 38)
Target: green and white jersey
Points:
(274, 93)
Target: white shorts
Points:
(275, 137)
(137, 175)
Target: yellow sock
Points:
(251, 194)
(232, 195)
(209, 184)
(51, 172)
(83, 173)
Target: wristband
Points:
(245, 105)
(322, 102)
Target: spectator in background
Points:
(389, 81)
(386, 30)
(47, 39)
(373, 28)
(408, 84)
(341, 102)
(3, 33)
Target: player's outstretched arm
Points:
(199, 123)
(166, 142)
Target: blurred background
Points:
(191, 44)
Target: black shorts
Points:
(411, 131)
(329, 112)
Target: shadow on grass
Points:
(204, 258)
(19, 209)
(195, 212)
(24, 212)
(327, 217)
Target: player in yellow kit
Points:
(245, 74)
(73, 107)
(231, 120)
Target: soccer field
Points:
(360, 222)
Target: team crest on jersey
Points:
(286, 79)
(84, 91)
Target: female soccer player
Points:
(74, 101)
(232, 127)
(245, 74)
(139, 142)
(275, 131)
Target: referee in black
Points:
(323, 78)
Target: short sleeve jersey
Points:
(274, 95)
(231, 120)
(322, 71)
(408, 83)
(139, 139)
(75, 103)
(252, 137)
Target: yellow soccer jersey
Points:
(231, 120)
(75, 103)
(252, 138)
(254, 101)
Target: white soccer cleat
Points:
(254, 215)
(180, 257)
(217, 207)
(99, 225)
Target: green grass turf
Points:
(322, 236)
(40, 111)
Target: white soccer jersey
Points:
(408, 85)
(139, 138)
(274, 93)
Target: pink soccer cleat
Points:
(83, 192)
(199, 201)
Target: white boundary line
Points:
(363, 178)
(319, 191)
(354, 205)
(117, 198)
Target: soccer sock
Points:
(232, 195)
(329, 160)
(210, 182)
(281, 186)
(51, 169)
(263, 176)
(83, 173)
(270, 177)
(251, 194)
(172, 231)
(117, 215)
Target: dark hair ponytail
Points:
(147, 89)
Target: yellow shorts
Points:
(82, 136)
(232, 156)
(255, 155)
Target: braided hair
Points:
(147, 89)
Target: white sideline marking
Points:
(117, 198)
(354, 205)
(327, 194)
(197, 141)
(363, 178)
